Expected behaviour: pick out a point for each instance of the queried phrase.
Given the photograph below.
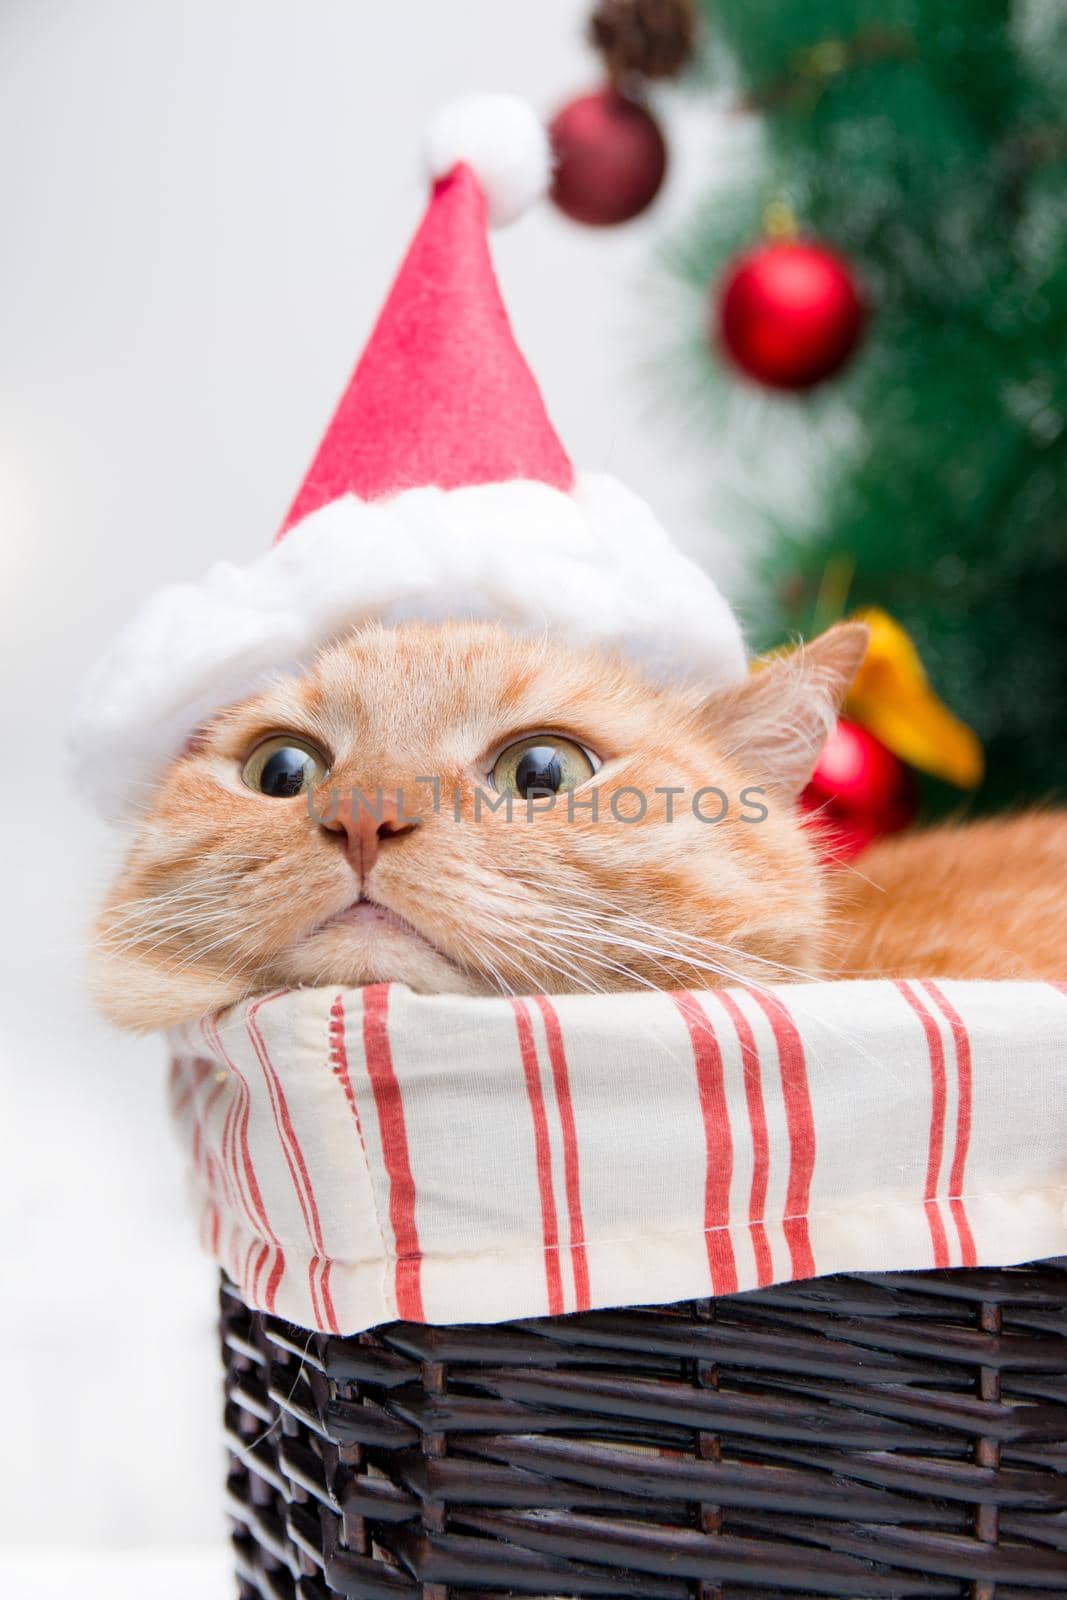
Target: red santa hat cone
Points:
(440, 491)
(444, 342)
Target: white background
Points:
(202, 204)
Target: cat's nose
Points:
(369, 822)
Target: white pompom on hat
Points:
(440, 491)
(499, 137)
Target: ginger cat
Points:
(419, 807)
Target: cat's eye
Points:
(284, 766)
(540, 763)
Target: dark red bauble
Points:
(858, 792)
(789, 314)
(610, 158)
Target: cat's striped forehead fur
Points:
(227, 892)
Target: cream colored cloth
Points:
(363, 1155)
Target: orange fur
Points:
(227, 893)
(983, 900)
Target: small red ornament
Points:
(858, 792)
(789, 314)
(610, 158)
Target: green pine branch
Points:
(927, 141)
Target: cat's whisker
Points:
(634, 979)
(685, 963)
(561, 965)
(155, 918)
(589, 931)
(564, 968)
(583, 982)
(488, 965)
(204, 896)
(589, 947)
(207, 897)
(154, 936)
(595, 928)
(601, 918)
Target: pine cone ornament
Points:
(644, 38)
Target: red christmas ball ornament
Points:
(610, 158)
(858, 792)
(789, 314)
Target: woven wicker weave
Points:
(851, 1436)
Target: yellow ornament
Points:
(891, 697)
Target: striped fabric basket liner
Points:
(703, 1295)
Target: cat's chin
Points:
(359, 950)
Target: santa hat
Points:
(440, 491)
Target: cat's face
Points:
(258, 864)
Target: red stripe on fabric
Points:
(186, 1076)
(262, 1250)
(761, 1151)
(543, 1153)
(327, 1299)
(179, 1105)
(801, 1125)
(228, 1145)
(936, 1051)
(290, 1145)
(229, 1155)
(239, 1158)
(557, 1056)
(203, 1159)
(277, 1272)
(718, 1143)
(262, 1257)
(228, 1148)
(248, 1277)
(234, 1257)
(339, 1067)
(339, 1059)
(258, 1211)
(230, 1185)
(259, 1043)
(395, 1152)
(233, 1187)
(217, 1181)
(313, 1294)
(961, 1039)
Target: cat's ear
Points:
(776, 722)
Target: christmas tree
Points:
(925, 143)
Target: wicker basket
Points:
(853, 1436)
